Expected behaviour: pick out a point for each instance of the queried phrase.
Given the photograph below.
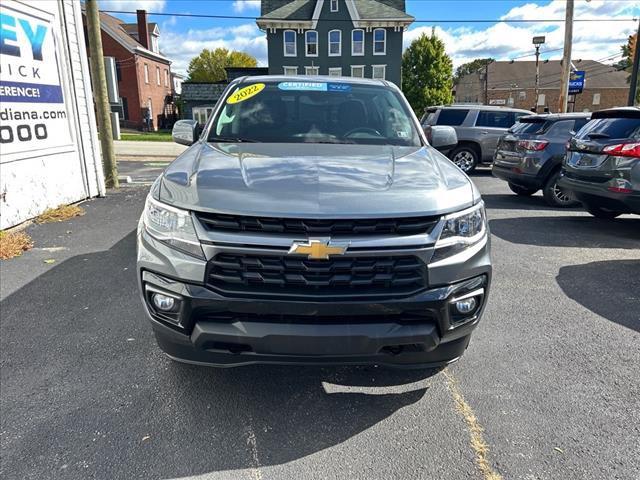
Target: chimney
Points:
(143, 28)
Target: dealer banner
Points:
(33, 112)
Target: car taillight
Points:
(533, 145)
(623, 150)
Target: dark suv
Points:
(530, 156)
(602, 167)
(478, 128)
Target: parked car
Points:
(602, 168)
(312, 223)
(478, 128)
(529, 157)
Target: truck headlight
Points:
(461, 230)
(172, 226)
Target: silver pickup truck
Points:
(310, 222)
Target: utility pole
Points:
(537, 41)
(566, 57)
(486, 83)
(634, 72)
(96, 60)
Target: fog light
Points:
(466, 306)
(163, 302)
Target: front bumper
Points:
(214, 329)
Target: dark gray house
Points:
(351, 38)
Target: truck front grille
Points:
(345, 276)
(298, 226)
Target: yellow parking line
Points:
(478, 444)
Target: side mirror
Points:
(185, 132)
(443, 137)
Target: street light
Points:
(537, 41)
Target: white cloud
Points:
(504, 41)
(133, 5)
(242, 5)
(183, 46)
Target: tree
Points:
(628, 51)
(471, 67)
(427, 73)
(210, 64)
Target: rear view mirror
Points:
(185, 132)
(443, 137)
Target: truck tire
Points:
(465, 157)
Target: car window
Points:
(611, 128)
(452, 116)
(494, 119)
(580, 122)
(562, 128)
(314, 112)
(534, 127)
(429, 118)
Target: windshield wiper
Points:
(232, 140)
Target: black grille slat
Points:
(283, 274)
(294, 226)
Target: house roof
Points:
(304, 13)
(117, 29)
(504, 75)
(132, 28)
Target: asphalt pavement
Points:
(550, 376)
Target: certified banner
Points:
(33, 112)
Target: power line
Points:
(474, 20)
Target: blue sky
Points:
(183, 38)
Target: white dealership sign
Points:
(33, 111)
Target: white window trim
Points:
(384, 52)
(306, 54)
(334, 2)
(339, 54)
(307, 67)
(353, 54)
(146, 73)
(338, 69)
(358, 66)
(284, 69)
(384, 71)
(295, 44)
(158, 79)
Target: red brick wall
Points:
(132, 86)
(609, 97)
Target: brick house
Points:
(144, 75)
(513, 84)
(357, 38)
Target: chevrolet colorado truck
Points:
(310, 222)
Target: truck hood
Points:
(315, 180)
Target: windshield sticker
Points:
(315, 86)
(402, 134)
(245, 93)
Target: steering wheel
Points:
(363, 130)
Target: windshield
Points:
(530, 126)
(314, 112)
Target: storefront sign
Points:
(33, 113)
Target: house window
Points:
(158, 75)
(146, 73)
(154, 43)
(541, 99)
(311, 70)
(290, 49)
(357, 42)
(201, 114)
(290, 70)
(522, 95)
(379, 71)
(166, 77)
(596, 99)
(334, 5)
(357, 71)
(335, 72)
(379, 41)
(335, 43)
(311, 43)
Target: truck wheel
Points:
(557, 196)
(600, 212)
(466, 158)
(521, 191)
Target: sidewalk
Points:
(147, 151)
